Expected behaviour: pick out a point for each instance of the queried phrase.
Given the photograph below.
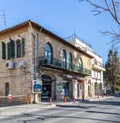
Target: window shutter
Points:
(3, 50)
(22, 47)
(12, 49)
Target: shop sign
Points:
(80, 81)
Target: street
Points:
(102, 111)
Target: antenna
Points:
(4, 16)
(75, 36)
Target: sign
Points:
(80, 81)
(36, 86)
(9, 96)
(59, 88)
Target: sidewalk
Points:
(20, 109)
(97, 98)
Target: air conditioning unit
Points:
(10, 65)
(22, 64)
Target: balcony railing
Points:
(62, 65)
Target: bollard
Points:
(28, 101)
(82, 98)
(102, 95)
(98, 96)
(50, 101)
(73, 99)
(106, 94)
(65, 99)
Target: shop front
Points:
(46, 87)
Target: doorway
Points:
(46, 87)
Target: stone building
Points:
(30, 52)
(96, 83)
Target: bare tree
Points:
(113, 8)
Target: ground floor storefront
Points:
(55, 85)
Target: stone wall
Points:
(4, 101)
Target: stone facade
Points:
(18, 79)
(95, 84)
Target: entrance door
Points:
(46, 90)
(78, 91)
(46, 87)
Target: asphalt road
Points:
(105, 111)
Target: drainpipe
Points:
(35, 61)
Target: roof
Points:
(23, 24)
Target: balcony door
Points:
(48, 53)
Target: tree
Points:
(112, 73)
(113, 8)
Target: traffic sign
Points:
(10, 96)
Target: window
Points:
(64, 58)
(80, 64)
(70, 60)
(18, 48)
(48, 52)
(22, 47)
(10, 49)
(6, 89)
(3, 50)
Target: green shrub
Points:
(117, 87)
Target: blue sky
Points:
(62, 17)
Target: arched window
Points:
(48, 52)
(80, 64)
(70, 60)
(64, 58)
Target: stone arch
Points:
(89, 88)
(49, 85)
(100, 88)
(96, 88)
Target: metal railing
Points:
(60, 64)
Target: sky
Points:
(62, 17)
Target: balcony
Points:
(98, 67)
(57, 64)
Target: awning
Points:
(80, 78)
(67, 76)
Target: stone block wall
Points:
(4, 101)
